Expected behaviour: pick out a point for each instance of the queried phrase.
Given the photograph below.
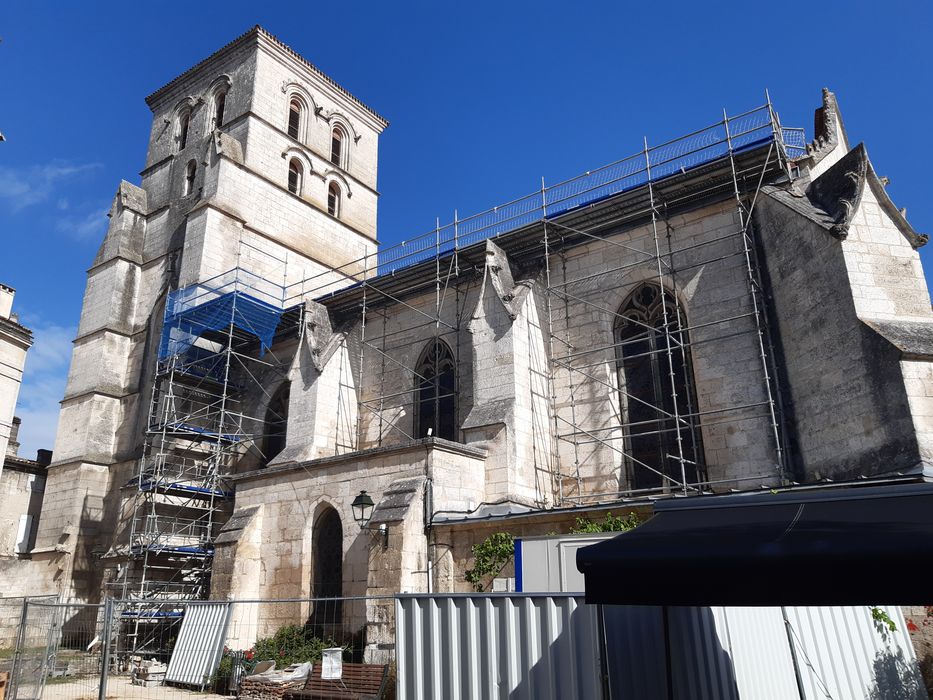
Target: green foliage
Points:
(611, 523)
(292, 644)
(489, 558)
(882, 620)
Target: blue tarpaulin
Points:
(182, 329)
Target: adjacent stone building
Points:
(732, 310)
(15, 341)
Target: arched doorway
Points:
(327, 568)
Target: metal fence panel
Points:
(200, 644)
(59, 654)
(497, 646)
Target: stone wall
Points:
(271, 556)
(846, 398)
(21, 495)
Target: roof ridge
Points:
(260, 30)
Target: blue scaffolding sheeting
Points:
(243, 310)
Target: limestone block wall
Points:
(918, 383)
(710, 279)
(21, 495)
(14, 343)
(293, 496)
(396, 337)
(238, 63)
(323, 407)
(845, 395)
(278, 77)
(883, 269)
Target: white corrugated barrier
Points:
(546, 646)
(515, 646)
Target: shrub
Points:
(611, 523)
(292, 644)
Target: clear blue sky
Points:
(483, 100)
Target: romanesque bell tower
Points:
(256, 160)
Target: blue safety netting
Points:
(183, 328)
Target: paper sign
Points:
(332, 664)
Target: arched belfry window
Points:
(181, 129)
(337, 140)
(191, 171)
(436, 393)
(294, 176)
(294, 117)
(220, 103)
(651, 391)
(333, 199)
(274, 427)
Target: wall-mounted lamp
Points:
(363, 507)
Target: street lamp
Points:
(363, 508)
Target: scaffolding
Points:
(216, 344)
(728, 160)
(214, 359)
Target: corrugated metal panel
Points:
(635, 652)
(200, 643)
(756, 641)
(497, 646)
(842, 654)
(701, 665)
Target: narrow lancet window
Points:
(336, 146)
(191, 170)
(294, 118)
(294, 176)
(333, 199)
(220, 102)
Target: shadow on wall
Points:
(896, 678)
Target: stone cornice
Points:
(417, 446)
(16, 332)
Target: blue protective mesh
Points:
(181, 329)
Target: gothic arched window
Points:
(294, 176)
(436, 393)
(276, 423)
(294, 117)
(649, 390)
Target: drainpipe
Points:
(428, 515)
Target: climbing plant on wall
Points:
(489, 558)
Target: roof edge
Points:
(254, 33)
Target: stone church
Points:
(263, 403)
